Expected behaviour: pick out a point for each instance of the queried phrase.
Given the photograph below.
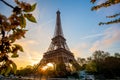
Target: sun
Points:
(49, 65)
(44, 68)
(33, 62)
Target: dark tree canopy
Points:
(102, 63)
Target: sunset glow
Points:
(49, 65)
(44, 68)
(80, 27)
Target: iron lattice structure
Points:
(58, 41)
(58, 51)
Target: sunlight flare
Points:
(48, 66)
(44, 68)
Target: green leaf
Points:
(32, 8)
(30, 17)
(22, 21)
(15, 49)
(2, 71)
(15, 55)
(19, 47)
(14, 67)
(7, 70)
(112, 1)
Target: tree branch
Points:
(110, 22)
(113, 16)
(7, 4)
(105, 4)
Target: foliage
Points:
(12, 28)
(28, 70)
(75, 65)
(100, 63)
(104, 64)
(100, 55)
(81, 61)
(91, 67)
(61, 70)
(106, 4)
(117, 55)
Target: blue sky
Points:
(79, 24)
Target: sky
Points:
(79, 24)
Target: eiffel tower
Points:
(58, 51)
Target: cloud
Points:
(35, 44)
(102, 41)
(111, 36)
(26, 57)
(92, 36)
(80, 50)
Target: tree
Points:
(100, 55)
(91, 67)
(81, 61)
(103, 64)
(28, 70)
(106, 4)
(117, 55)
(111, 67)
(61, 70)
(13, 28)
